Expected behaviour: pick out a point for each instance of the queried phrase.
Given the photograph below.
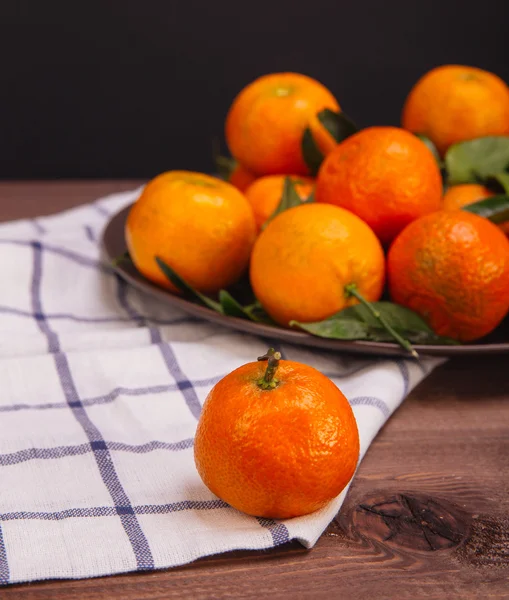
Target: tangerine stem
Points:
(351, 290)
(268, 381)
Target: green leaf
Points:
(227, 304)
(494, 208)
(310, 198)
(126, 257)
(336, 327)
(475, 160)
(395, 314)
(252, 312)
(358, 323)
(311, 153)
(431, 146)
(498, 182)
(289, 199)
(185, 288)
(224, 164)
(225, 167)
(242, 290)
(339, 125)
(231, 308)
(405, 321)
(258, 314)
(351, 290)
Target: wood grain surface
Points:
(426, 517)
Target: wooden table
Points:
(427, 515)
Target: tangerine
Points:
(305, 258)
(460, 195)
(454, 103)
(267, 119)
(265, 194)
(385, 175)
(277, 440)
(202, 227)
(452, 267)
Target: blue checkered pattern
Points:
(102, 388)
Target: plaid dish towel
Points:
(100, 391)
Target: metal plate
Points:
(114, 246)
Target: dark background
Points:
(122, 88)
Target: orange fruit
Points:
(384, 175)
(202, 227)
(267, 119)
(453, 103)
(265, 194)
(276, 452)
(307, 255)
(460, 195)
(452, 267)
(241, 178)
(463, 194)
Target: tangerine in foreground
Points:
(267, 119)
(276, 439)
(452, 267)
(305, 259)
(385, 175)
(202, 227)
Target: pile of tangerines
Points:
(322, 215)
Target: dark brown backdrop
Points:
(124, 88)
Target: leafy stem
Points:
(351, 290)
(494, 208)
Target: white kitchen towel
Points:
(100, 392)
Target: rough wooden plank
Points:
(447, 446)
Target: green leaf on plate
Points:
(231, 308)
(396, 315)
(476, 160)
(358, 323)
(126, 257)
(494, 208)
(289, 199)
(311, 153)
(185, 288)
(252, 312)
(338, 124)
(258, 314)
(336, 327)
(227, 304)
